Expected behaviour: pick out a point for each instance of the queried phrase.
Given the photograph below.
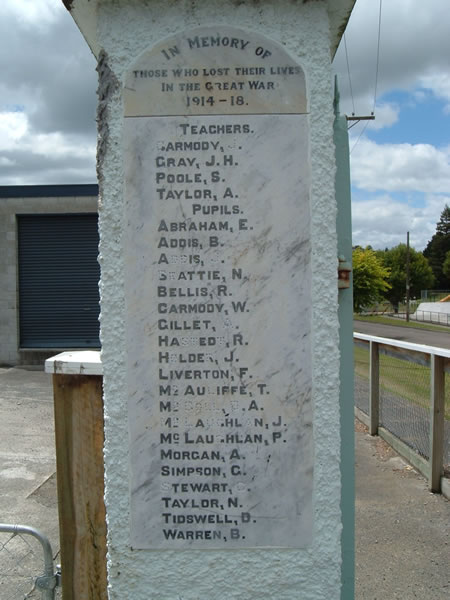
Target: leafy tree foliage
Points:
(446, 266)
(420, 273)
(437, 249)
(369, 278)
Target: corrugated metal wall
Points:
(58, 281)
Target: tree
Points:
(369, 278)
(446, 266)
(438, 247)
(420, 273)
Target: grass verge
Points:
(402, 378)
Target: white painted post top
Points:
(83, 362)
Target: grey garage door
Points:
(58, 281)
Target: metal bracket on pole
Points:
(358, 119)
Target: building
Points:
(49, 299)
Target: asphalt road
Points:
(440, 339)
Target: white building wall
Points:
(10, 354)
(125, 29)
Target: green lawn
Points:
(402, 378)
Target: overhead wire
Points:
(348, 72)
(376, 74)
(359, 137)
(378, 56)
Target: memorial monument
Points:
(218, 252)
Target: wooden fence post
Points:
(80, 480)
(374, 393)
(437, 410)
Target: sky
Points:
(400, 162)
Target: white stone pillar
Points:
(219, 323)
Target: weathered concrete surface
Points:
(402, 530)
(27, 475)
(27, 449)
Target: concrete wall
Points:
(437, 312)
(125, 29)
(10, 207)
(433, 307)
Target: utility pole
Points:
(407, 276)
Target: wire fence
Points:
(405, 402)
(433, 295)
(403, 395)
(26, 565)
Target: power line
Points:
(372, 116)
(348, 72)
(378, 56)
(359, 137)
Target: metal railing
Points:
(425, 316)
(402, 394)
(24, 550)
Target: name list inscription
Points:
(217, 260)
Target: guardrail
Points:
(401, 395)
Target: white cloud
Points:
(439, 83)
(414, 51)
(13, 126)
(27, 157)
(385, 116)
(15, 133)
(382, 222)
(47, 96)
(400, 167)
(31, 13)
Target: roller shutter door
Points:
(58, 281)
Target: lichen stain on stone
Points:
(68, 4)
(108, 84)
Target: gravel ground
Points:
(402, 530)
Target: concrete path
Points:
(441, 339)
(402, 531)
(27, 476)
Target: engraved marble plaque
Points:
(218, 305)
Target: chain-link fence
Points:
(361, 393)
(405, 402)
(26, 565)
(400, 399)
